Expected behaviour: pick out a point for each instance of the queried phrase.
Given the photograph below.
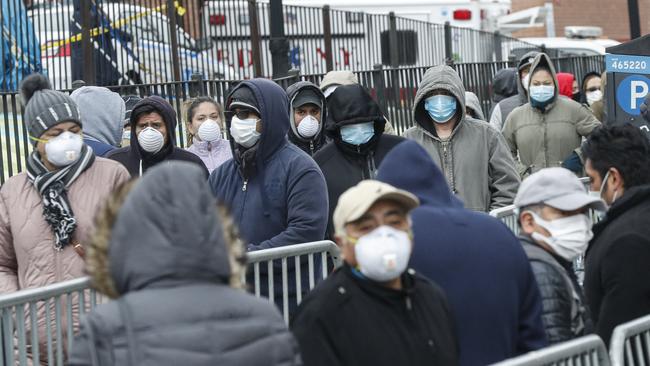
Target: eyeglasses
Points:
(241, 114)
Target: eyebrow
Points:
(396, 212)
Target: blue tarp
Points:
(21, 50)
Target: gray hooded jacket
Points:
(102, 112)
(474, 104)
(475, 158)
(169, 264)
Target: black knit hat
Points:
(44, 107)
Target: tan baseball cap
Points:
(356, 201)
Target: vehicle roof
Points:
(597, 45)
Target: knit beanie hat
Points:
(44, 107)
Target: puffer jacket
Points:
(545, 138)
(170, 266)
(310, 146)
(564, 312)
(475, 158)
(27, 255)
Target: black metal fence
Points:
(393, 88)
(108, 42)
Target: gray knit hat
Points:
(44, 107)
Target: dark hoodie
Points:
(169, 263)
(310, 146)
(345, 165)
(138, 161)
(498, 315)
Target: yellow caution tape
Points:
(117, 24)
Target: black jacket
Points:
(310, 146)
(563, 312)
(133, 155)
(349, 320)
(617, 264)
(345, 165)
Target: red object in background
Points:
(63, 51)
(566, 83)
(217, 19)
(462, 14)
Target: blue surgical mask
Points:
(358, 134)
(441, 108)
(542, 93)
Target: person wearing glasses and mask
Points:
(373, 310)
(276, 192)
(153, 138)
(473, 157)
(546, 131)
(46, 212)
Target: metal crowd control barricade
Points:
(630, 344)
(584, 351)
(508, 216)
(316, 251)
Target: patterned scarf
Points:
(52, 186)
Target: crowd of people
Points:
(427, 276)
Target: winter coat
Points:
(455, 247)
(475, 158)
(475, 105)
(564, 313)
(104, 121)
(138, 161)
(169, 263)
(28, 258)
(544, 139)
(213, 154)
(345, 165)
(284, 201)
(310, 146)
(505, 84)
(616, 263)
(502, 110)
(349, 320)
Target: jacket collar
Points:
(378, 291)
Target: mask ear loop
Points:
(38, 140)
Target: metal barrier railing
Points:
(584, 351)
(630, 344)
(508, 216)
(40, 323)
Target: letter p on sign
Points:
(639, 90)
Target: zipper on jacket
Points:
(311, 147)
(243, 188)
(409, 305)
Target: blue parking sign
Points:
(631, 92)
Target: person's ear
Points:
(527, 222)
(615, 179)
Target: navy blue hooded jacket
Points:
(477, 261)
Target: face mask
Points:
(244, 131)
(542, 93)
(151, 140)
(383, 254)
(525, 81)
(209, 131)
(594, 96)
(358, 134)
(308, 127)
(441, 107)
(64, 149)
(569, 235)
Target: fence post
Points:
(327, 38)
(87, 43)
(255, 38)
(392, 40)
(197, 88)
(380, 85)
(279, 44)
(449, 51)
(498, 50)
(173, 37)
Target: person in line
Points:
(46, 212)
(153, 138)
(616, 263)
(599, 106)
(130, 101)
(566, 85)
(204, 118)
(503, 109)
(455, 247)
(546, 131)
(275, 191)
(151, 256)
(103, 113)
(373, 310)
(504, 85)
(555, 226)
(473, 157)
(306, 115)
(359, 144)
(590, 88)
(473, 108)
